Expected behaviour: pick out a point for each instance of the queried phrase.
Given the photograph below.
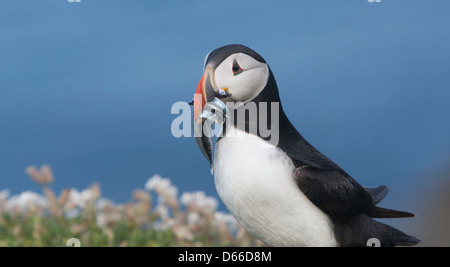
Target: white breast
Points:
(255, 181)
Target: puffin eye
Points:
(236, 68)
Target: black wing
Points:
(341, 197)
(335, 193)
(327, 185)
(377, 193)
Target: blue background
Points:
(88, 87)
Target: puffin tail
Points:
(379, 212)
(378, 194)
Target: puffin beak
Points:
(204, 94)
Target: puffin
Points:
(278, 186)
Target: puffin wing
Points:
(377, 193)
(335, 193)
(341, 197)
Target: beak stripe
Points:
(199, 100)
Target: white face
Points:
(242, 75)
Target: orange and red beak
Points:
(204, 94)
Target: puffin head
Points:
(232, 73)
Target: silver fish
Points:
(214, 111)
